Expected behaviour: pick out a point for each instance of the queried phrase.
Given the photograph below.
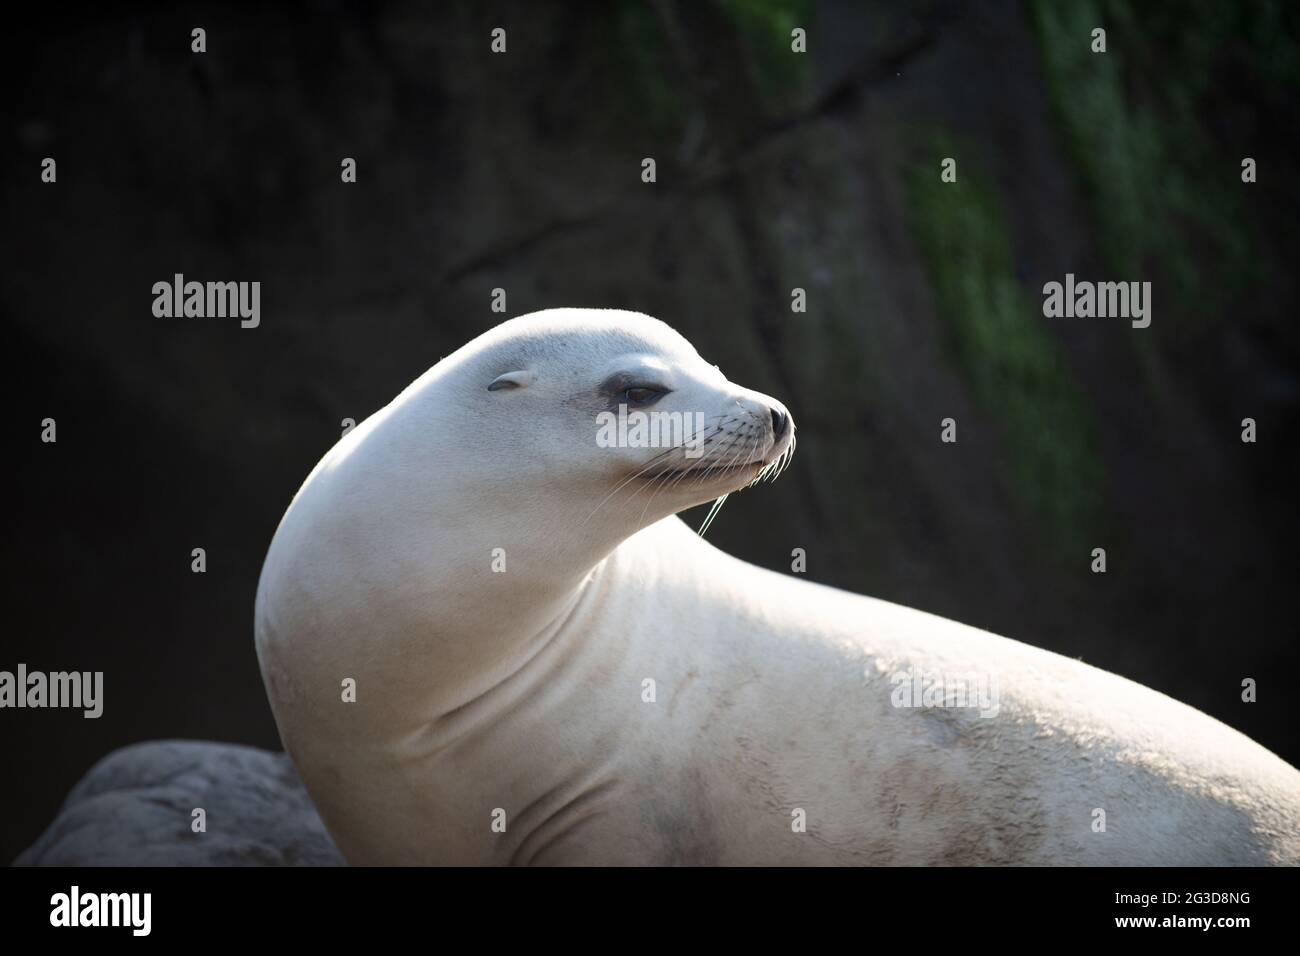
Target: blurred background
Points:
(775, 171)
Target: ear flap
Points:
(519, 379)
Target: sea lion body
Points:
(622, 692)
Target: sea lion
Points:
(487, 639)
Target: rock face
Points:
(135, 808)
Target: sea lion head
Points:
(620, 407)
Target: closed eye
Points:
(642, 394)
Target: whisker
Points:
(703, 435)
(662, 481)
(733, 449)
(653, 461)
(713, 512)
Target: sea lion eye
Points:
(642, 395)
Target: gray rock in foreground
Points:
(134, 808)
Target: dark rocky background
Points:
(775, 171)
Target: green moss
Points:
(999, 342)
(765, 26)
(642, 42)
(1165, 199)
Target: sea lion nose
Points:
(780, 422)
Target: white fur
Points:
(523, 690)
